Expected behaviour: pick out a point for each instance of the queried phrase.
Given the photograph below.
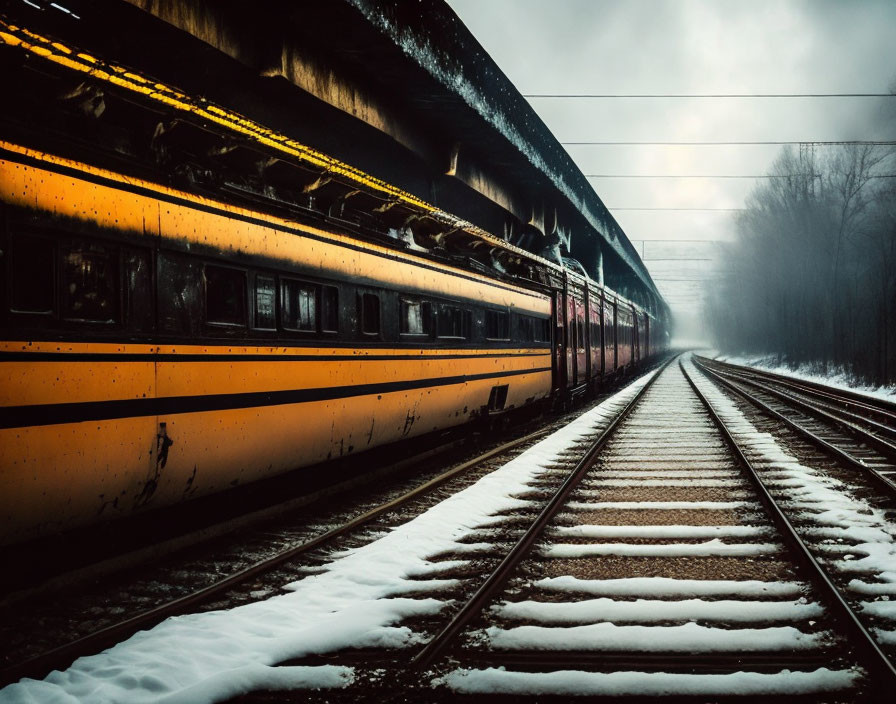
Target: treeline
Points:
(812, 276)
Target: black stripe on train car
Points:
(260, 357)
(175, 200)
(57, 413)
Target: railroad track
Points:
(222, 574)
(609, 592)
(662, 546)
(880, 410)
(858, 431)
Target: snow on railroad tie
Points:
(648, 684)
(670, 473)
(357, 602)
(670, 587)
(646, 610)
(688, 638)
(709, 548)
(695, 482)
(652, 505)
(659, 531)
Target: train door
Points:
(569, 310)
(558, 308)
(637, 330)
(559, 361)
(623, 337)
(609, 336)
(586, 331)
(647, 350)
(595, 346)
(581, 353)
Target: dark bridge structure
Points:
(214, 211)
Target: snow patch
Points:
(668, 587)
(689, 638)
(648, 684)
(659, 531)
(594, 610)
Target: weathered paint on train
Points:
(160, 401)
(65, 470)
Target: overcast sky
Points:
(691, 46)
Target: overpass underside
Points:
(387, 115)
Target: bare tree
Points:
(812, 277)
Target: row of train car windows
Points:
(304, 307)
(79, 282)
(85, 282)
(422, 318)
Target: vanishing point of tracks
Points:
(665, 564)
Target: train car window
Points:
(90, 283)
(225, 296)
(329, 304)
(298, 305)
(138, 289)
(533, 329)
(179, 294)
(497, 325)
(264, 309)
(32, 275)
(415, 317)
(454, 321)
(526, 328)
(369, 309)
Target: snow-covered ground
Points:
(837, 379)
(357, 603)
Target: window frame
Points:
(45, 317)
(465, 318)
(362, 297)
(283, 281)
(426, 313)
(324, 303)
(253, 295)
(222, 325)
(505, 315)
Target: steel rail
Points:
(882, 480)
(874, 405)
(845, 424)
(826, 404)
(65, 654)
(876, 661)
(518, 552)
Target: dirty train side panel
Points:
(160, 346)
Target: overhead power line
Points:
(810, 143)
(727, 210)
(663, 96)
(713, 176)
(673, 176)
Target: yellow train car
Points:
(193, 299)
(160, 346)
